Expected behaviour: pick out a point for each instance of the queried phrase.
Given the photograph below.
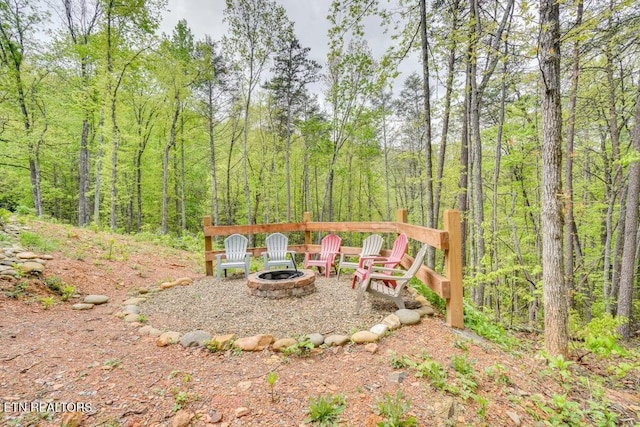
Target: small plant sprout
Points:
(325, 410)
(112, 363)
(182, 398)
(272, 377)
(47, 302)
(394, 410)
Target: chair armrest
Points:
(373, 269)
(371, 260)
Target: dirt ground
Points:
(56, 360)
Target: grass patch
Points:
(36, 242)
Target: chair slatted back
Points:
(235, 247)
(400, 246)
(372, 245)
(277, 244)
(329, 246)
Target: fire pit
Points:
(282, 283)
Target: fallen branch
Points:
(18, 355)
(23, 370)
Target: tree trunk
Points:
(83, 190)
(496, 174)
(98, 184)
(165, 164)
(427, 126)
(629, 259)
(463, 183)
(451, 64)
(115, 135)
(212, 156)
(555, 301)
(478, 199)
(245, 158)
(183, 196)
(568, 171)
(385, 152)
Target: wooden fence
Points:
(448, 240)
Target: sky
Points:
(205, 17)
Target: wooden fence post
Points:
(453, 265)
(307, 234)
(208, 265)
(401, 215)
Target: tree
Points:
(213, 86)
(475, 103)
(555, 301)
(293, 71)
(180, 52)
(18, 19)
(629, 254)
(82, 18)
(254, 27)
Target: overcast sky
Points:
(205, 17)
(309, 16)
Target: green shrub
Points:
(601, 335)
(479, 323)
(433, 298)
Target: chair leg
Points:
(359, 300)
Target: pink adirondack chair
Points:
(397, 252)
(329, 249)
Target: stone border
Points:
(130, 313)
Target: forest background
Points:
(104, 122)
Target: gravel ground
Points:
(225, 306)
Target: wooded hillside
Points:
(105, 121)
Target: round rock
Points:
(26, 255)
(96, 299)
(364, 337)
(332, 340)
(82, 306)
(254, 343)
(316, 339)
(130, 318)
(131, 309)
(283, 343)
(195, 339)
(31, 267)
(379, 329)
(134, 301)
(408, 317)
(167, 338)
(425, 310)
(392, 321)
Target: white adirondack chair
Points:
(389, 282)
(370, 247)
(235, 254)
(276, 254)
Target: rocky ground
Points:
(91, 367)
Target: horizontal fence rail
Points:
(448, 240)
